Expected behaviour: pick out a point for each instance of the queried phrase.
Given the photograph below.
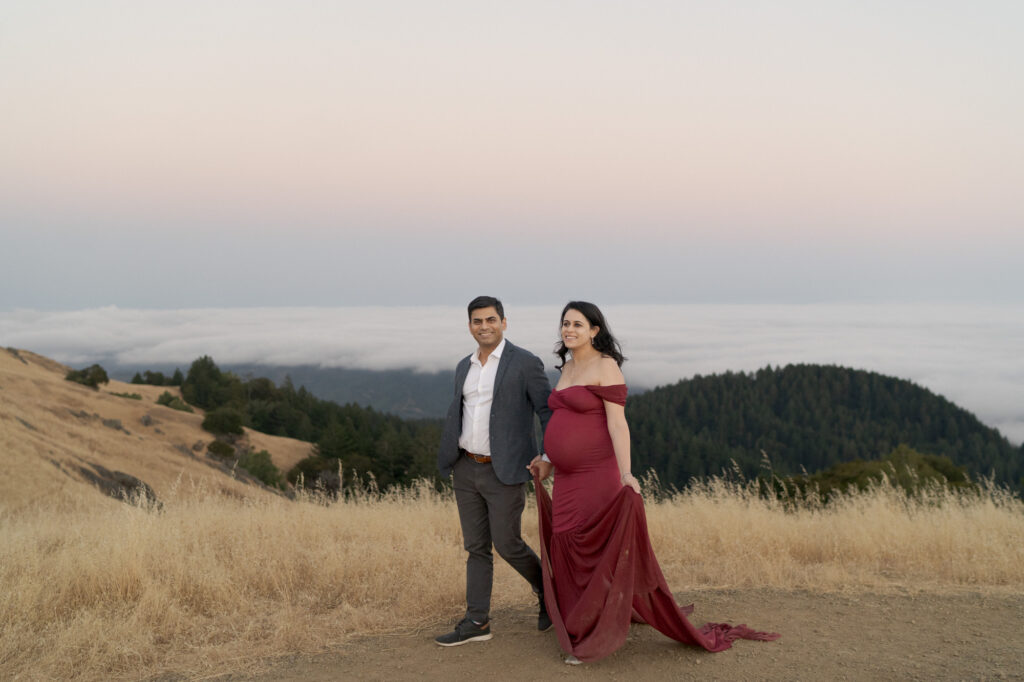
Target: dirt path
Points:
(824, 637)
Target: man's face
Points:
(486, 327)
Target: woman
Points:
(599, 570)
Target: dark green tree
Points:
(154, 378)
(92, 376)
(202, 384)
(224, 421)
(207, 387)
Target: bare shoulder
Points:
(610, 373)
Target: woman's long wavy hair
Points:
(604, 342)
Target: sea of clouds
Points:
(970, 354)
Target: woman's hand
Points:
(539, 468)
(630, 480)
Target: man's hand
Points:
(539, 468)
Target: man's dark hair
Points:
(486, 302)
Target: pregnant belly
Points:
(578, 442)
(586, 473)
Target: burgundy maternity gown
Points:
(599, 570)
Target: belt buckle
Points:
(479, 459)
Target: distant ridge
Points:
(402, 392)
(805, 417)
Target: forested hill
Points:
(805, 416)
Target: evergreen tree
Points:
(224, 420)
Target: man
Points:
(487, 443)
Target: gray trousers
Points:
(491, 513)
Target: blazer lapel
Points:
(460, 374)
(506, 360)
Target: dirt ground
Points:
(856, 636)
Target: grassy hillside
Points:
(59, 437)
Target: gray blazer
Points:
(521, 390)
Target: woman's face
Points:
(576, 330)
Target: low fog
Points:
(969, 354)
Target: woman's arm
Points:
(618, 429)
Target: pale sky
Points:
(158, 154)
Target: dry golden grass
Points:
(216, 583)
(720, 534)
(212, 581)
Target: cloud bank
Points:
(970, 354)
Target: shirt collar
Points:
(496, 353)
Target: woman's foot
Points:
(572, 660)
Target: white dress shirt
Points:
(477, 396)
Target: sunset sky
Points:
(182, 154)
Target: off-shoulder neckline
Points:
(559, 390)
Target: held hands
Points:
(629, 479)
(540, 468)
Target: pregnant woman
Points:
(599, 570)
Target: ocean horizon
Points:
(968, 353)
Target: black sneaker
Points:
(543, 619)
(465, 631)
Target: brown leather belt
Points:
(481, 459)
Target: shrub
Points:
(91, 376)
(224, 420)
(316, 473)
(904, 467)
(174, 402)
(130, 396)
(114, 424)
(221, 449)
(260, 465)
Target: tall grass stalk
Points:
(213, 583)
